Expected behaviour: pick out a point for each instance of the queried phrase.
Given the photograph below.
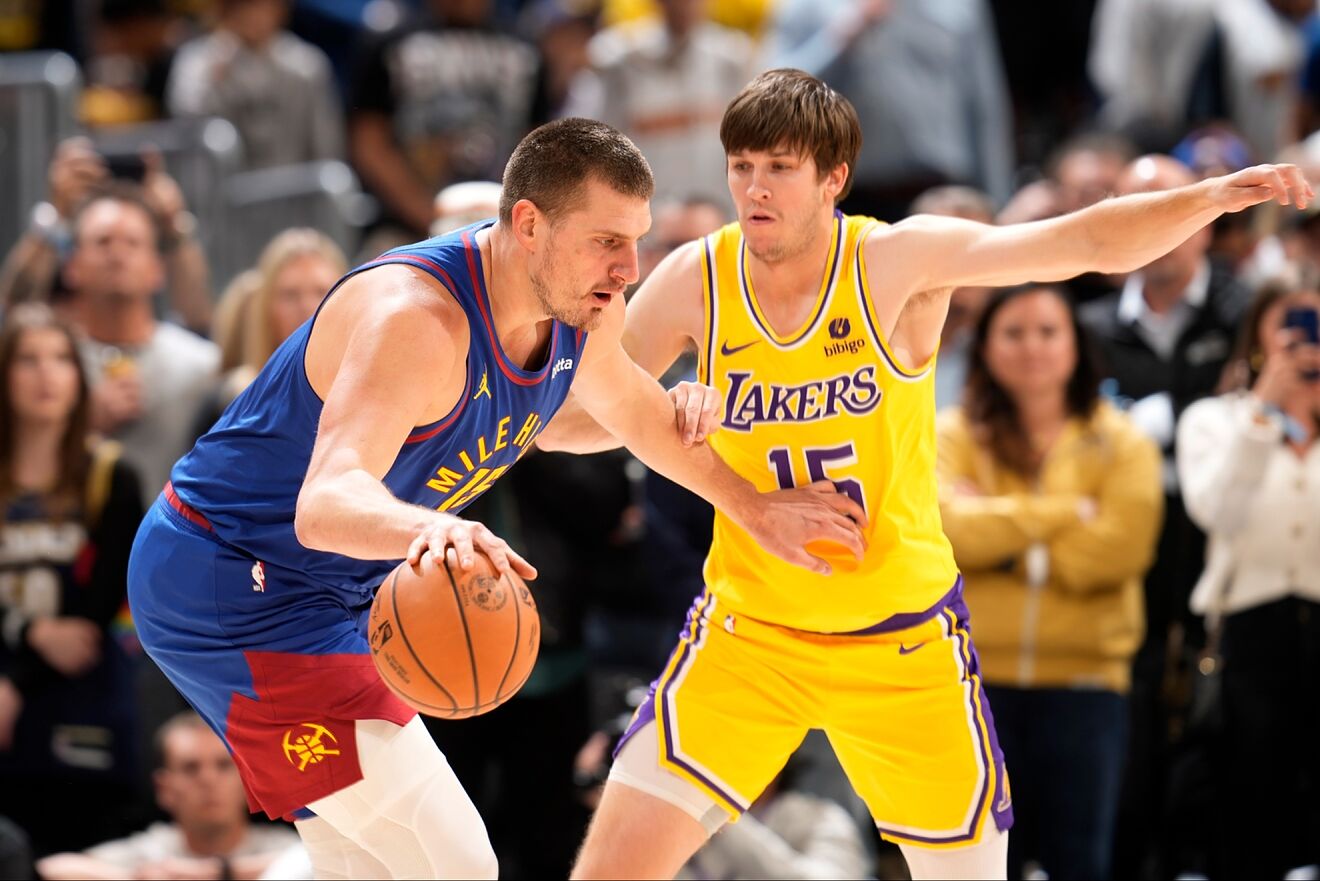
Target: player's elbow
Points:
(309, 520)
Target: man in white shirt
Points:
(211, 835)
(148, 377)
(1166, 337)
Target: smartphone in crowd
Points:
(126, 166)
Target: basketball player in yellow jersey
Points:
(819, 333)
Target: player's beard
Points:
(582, 318)
(799, 239)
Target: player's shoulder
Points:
(403, 305)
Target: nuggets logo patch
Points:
(309, 747)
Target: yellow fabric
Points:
(903, 710)
(1081, 626)
(828, 400)
(751, 16)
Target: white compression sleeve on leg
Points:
(409, 810)
(985, 861)
(334, 857)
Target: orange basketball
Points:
(454, 644)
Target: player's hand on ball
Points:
(1251, 186)
(456, 540)
(697, 409)
(787, 520)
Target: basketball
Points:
(450, 643)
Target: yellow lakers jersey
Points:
(827, 401)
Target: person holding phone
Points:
(1249, 464)
(77, 172)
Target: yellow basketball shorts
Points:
(903, 709)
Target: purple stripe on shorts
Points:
(904, 620)
(669, 725)
(646, 713)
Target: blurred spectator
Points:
(678, 222)
(1051, 499)
(1052, 96)
(1250, 469)
(928, 83)
(563, 30)
(77, 172)
(459, 205)
(293, 275)
(132, 48)
(68, 512)
(665, 84)
(210, 834)
(230, 318)
(148, 377)
(275, 88)
(1166, 338)
(1167, 63)
(1087, 168)
(1144, 59)
(440, 100)
(965, 303)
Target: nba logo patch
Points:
(258, 577)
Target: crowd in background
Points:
(1129, 466)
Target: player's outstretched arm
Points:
(619, 394)
(387, 355)
(1117, 235)
(663, 317)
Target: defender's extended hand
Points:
(786, 520)
(1251, 186)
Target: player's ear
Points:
(835, 180)
(528, 223)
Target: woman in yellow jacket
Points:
(1052, 501)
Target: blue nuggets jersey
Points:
(245, 474)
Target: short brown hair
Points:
(793, 110)
(551, 166)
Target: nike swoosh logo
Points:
(726, 351)
(904, 650)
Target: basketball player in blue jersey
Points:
(423, 377)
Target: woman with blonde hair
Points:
(265, 304)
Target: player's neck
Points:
(521, 324)
(795, 277)
(513, 304)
